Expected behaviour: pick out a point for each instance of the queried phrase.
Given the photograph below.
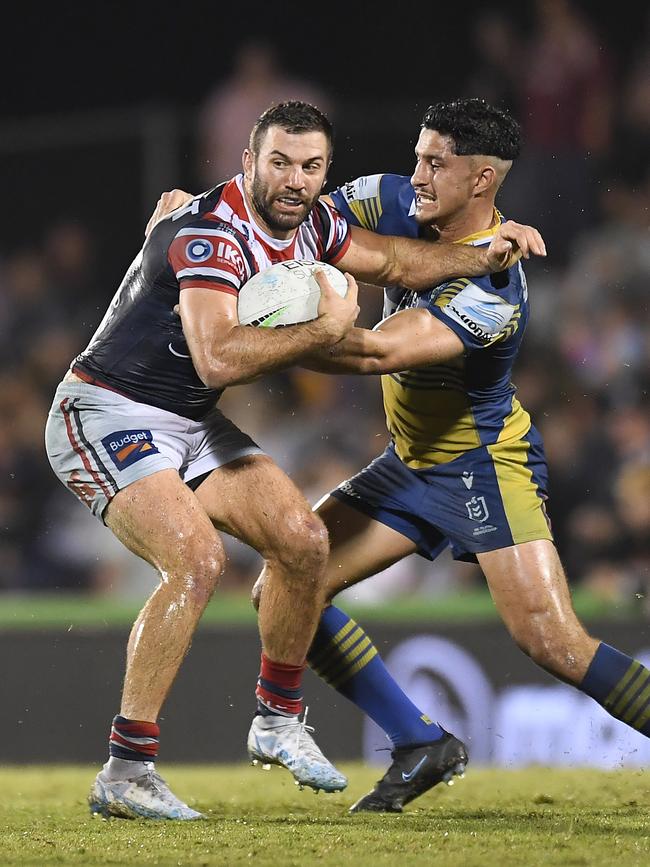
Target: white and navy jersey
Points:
(139, 349)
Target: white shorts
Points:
(99, 442)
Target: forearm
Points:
(360, 351)
(431, 263)
(247, 352)
(404, 341)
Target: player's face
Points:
(443, 182)
(286, 177)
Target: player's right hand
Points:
(336, 315)
(512, 241)
(168, 202)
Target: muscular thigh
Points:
(255, 501)
(162, 521)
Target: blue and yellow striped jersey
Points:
(437, 413)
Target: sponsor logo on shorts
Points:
(82, 489)
(346, 488)
(468, 479)
(125, 447)
(478, 511)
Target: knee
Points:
(197, 573)
(553, 645)
(302, 545)
(536, 641)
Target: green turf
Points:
(490, 819)
(72, 611)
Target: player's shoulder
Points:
(383, 187)
(509, 279)
(373, 201)
(509, 283)
(197, 215)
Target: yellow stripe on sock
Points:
(636, 684)
(352, 639)
(630, 691)
(638, 704)
(642, 720)
(343, 631)
(358, 665)
(626, 697)
(333, 656)
(332, 671)
(622, 684)
(332, 645)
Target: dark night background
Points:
(99, 113)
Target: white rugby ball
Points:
(285, 293)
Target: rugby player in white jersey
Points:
(135, 433)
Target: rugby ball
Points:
(285, 293)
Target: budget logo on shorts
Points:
(477, 509)
(128, 446)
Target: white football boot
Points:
(286, 741)
(146, 796)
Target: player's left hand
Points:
(168, 202)
(511, 242)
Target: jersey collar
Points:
(486, 235)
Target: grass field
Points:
(72, 611)
(492, 819)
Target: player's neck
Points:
(468, 222)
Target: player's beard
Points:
(263, 203)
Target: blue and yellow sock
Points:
(621, 685)
(343, 656)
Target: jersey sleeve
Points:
(477, 312)
(335, 232)
(209, 258)
(360, 201)
(381, 203)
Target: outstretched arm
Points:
(404, 341)
(389, 260)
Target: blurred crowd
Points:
(584, 372)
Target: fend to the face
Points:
(286, 177)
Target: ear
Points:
(485, 179)
(247, 161)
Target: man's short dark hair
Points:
(293, 117)
(475, 127)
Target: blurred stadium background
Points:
(111, 104)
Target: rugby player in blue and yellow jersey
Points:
(465, 466)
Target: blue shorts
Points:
(491, 497)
